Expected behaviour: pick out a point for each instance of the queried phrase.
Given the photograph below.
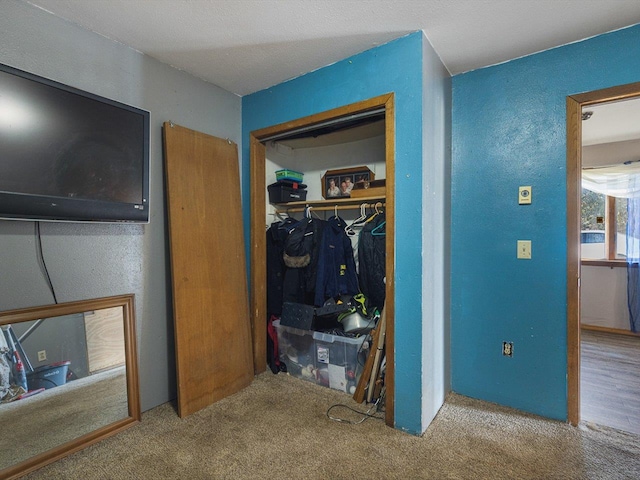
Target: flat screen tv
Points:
(69, 155)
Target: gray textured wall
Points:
(63, 338)
(96, 260)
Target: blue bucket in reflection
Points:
(48, 376)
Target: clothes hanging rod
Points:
(315, 126)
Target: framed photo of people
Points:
(339, 183)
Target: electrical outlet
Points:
(507, 349)
(42, 355)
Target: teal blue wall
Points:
(393, 67)
(508, 127)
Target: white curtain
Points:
(622, 181)
(633, 259)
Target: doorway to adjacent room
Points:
(603, 352)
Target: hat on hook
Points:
(298, 244)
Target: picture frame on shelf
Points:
(339, 183)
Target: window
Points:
(621, 228)
(603, 226)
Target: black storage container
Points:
(284, 191)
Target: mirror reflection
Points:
(62, 378)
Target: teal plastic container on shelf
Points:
(290, 175)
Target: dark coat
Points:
(371, 259)
(336, 266)
(276, 235)
(301, 250)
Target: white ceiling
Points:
(611, 136)
(612, 122)
(247, 45)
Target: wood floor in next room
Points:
(610, 380)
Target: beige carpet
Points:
(277, 428)
(58, 415)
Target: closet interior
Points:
(322, 250)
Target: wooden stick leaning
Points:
(359, 394)
(378, 357)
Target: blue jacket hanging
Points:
(336, 266)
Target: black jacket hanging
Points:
(371, 258)
(276, 236)
(301, 250)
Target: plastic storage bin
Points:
(290, 175)
(329, 360)
(283, 192)
(48, 376)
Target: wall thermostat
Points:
(524, 195)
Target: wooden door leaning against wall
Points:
(210, 300)
(105, 337)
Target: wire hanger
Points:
(378, 231)
(358, 222)
(376, 212)
(373, 215)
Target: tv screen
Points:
(69, 155)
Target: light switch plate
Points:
(524, 195)
(524, 249)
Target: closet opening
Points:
(355, 142)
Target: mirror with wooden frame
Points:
(68, 378)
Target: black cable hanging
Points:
(43, 263)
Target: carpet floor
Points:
(64, 413)
(278, 428)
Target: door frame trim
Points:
(258, 278)
(575, 103)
